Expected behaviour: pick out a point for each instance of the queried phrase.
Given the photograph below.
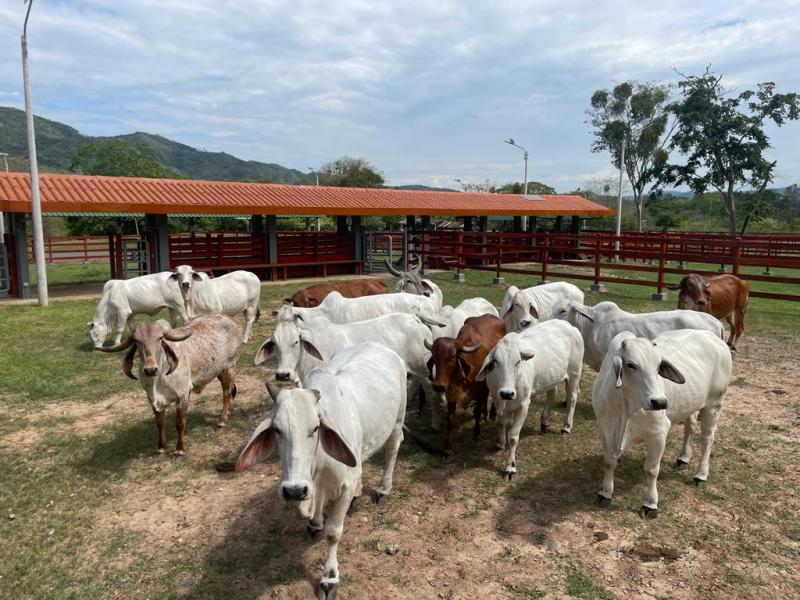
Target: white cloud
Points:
(426, 90)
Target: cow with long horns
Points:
(412, 282)
(176, 362)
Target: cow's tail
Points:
(423, 443)
(258, 313)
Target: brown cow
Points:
(455, 362)
(723, 296)
(313, 295)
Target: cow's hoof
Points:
(499, 448)
(377, 497)
(648, 513)
(312, 532)
(510, 475)
(179, 453)
(681, 465)
(544, 428)
(328, 590)
(160, 452)
(602, 501)
(564, 432)
(220, 425)
(699, 482)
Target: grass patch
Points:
(579, 585)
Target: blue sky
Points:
(427, 91)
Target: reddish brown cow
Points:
(313, 295)
(723, 296)
(455, 362)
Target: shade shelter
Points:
(264, 249)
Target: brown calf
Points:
(313, 295)
(723, 296)
(176, 362)
(455, 362)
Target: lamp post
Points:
(511, 142)
(36, 205)
(619, 199)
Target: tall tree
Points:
(119, 158)
(350, 172)
(722, 137)
(633, 114)
(534, 187)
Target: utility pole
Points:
(619, 198)
(511, 142)
(36, 204)
(314, 171)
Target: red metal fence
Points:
(74, 248)
(595, 254)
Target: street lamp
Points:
(36, 205)
(315, 173)
(511, 142)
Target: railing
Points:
(594, 257)
(74, 248)
(5, 270)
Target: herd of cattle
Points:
(357, 354)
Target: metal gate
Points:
(5, 271)
(381, 245)
(135, 257)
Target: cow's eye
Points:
(296, 343)
(631, 366)
(313, 431)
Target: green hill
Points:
(57, 143)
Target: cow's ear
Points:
(427, 286)
(533, 312)
(260, 446)
(172, 358)
(668, 371)
(274, 313)
(526, 353)
(464, 365)
(508, 311)
(486, 368)
(618, 370)
(127, 362)
(310, 348)
(677, 286)
(333, 444)
(197, 276)
(312, 302)
(584, 313)
(287, 301)
(267, 349)
(174, 275)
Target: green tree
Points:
(722, 137)
(350, 172)
(534, 187)
(633, 114)
(119, 158)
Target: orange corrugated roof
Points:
(95, 194)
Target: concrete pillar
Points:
(341, 225)
(159, 225)
(272, 237)
(358, 242)
(17, 228)
(257, 225)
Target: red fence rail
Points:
(74, 248)
(595, 254)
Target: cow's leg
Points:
(652, 465)
(438, 404)
(513, 438)
(315, 524)
(329, 584)
(708, 428)
(610, 460)
(226, 378)
(181, 408)
(739, 315)
(686, 451)
(162, 436)
(478, 410)
(452, 427)
(249, 319)
(390, 449)
(732, 335)
(121, 322)
(502, 425)
(572, 390)
(545, 418)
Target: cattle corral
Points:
(88, 511)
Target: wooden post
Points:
(111, 261)
(459, 276)
(662, 259)
(272, 239)
(545, 252)
(596, 286)
(737, 254)
(498, 280)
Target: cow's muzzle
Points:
(507, 394)
(185, 285)
(282, 376)
(658, 403)
(525, 323)
(150, 371)
(701, 302)
(294, 492)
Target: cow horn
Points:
(470, 349)
(392, 269)
(428, 345)
(177, 335)
(418, 266)
(126, 343)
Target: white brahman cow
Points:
(645, 386)
(453, 317)
(523, 308)
(411, 282)
(231, 294)
(339, 309)
(348, 410)
(528, 363)
(600, 323)
(123, 299)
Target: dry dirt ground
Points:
(462, 531)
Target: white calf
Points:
(454, 317)
(524, 364)
(350, 409)
(339, 309)
(523, 308)
(645, 386)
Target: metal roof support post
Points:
(160, 226)
(257, 225)
(517, 227)
(575, 229)
(483, 227)
(341, 224)
(272, 237)
(358, 241)
(426, 226)
(18, 230)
